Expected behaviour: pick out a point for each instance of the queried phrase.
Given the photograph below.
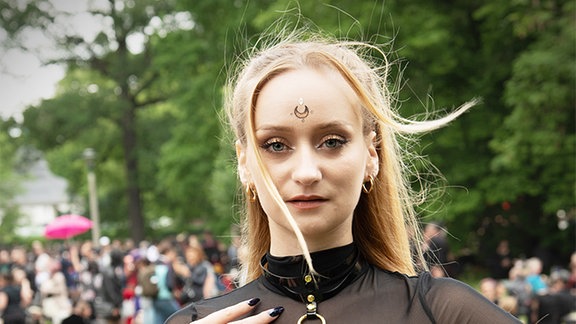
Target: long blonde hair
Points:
(384, 227)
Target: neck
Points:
(285, 243)
(293, 247)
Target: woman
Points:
(108, 302)
(200, 282)
(130, 302)
(13, 299)
(328, 208)
(56, 304)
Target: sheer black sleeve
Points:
(452, 301)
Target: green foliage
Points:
(101, 104)
(508, 164)
(9, 183)
(18, 15)
(535, 149)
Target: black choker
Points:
(299, 284)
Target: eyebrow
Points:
(324, 126)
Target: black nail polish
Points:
(253, 301)
(276, 311)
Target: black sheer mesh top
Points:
(351, 291)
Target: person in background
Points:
(109, 303)
(501, 261)
(81, 314)
(572, 267)
(488, 289)
(146, 272)
(519, 288)
(84, 260)
(55, 303)
(42, 263)
(70, 273)
(13, 301)
(20, 280)
(20, 260)
(328, 209)
(436, 249)
(165, 303)
(5, 261)
(535, 277)
(495, 291)
(130, 299)
(211, 247)
(199, 280)
(557, 303)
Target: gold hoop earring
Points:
(368, 185)
(251, 193)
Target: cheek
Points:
(257, 180)
(349, 177)
(352, 167)
(251, 170)
(279, 172)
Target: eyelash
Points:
(268, 145)
(340, 141)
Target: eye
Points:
(334, 142)
(274, 145)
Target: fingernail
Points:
(253, 301)
(276, 311)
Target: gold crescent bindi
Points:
(299, 112)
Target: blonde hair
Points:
(390, 236)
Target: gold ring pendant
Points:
(305, 317)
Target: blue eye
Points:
(274, 146)
(277, 147)
(333, 143)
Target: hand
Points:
(229, 314)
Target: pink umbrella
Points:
(67, 226)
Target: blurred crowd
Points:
(119, 282)
(517, 284)
(113, 281)
(521, 287)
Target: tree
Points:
(120, 82)
(11, 179)
(515, 146)
(501, 162)
(196, 174)
(504, 159)
(535, 161)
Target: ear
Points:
(242, 168)
(372, 163)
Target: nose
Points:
(306, 168)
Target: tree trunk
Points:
(136, 219)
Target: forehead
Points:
(324, 92)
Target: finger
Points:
(230, 313)
(264, 317)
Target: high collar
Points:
(326, 262)
(336, 268)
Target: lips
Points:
(306, 201)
